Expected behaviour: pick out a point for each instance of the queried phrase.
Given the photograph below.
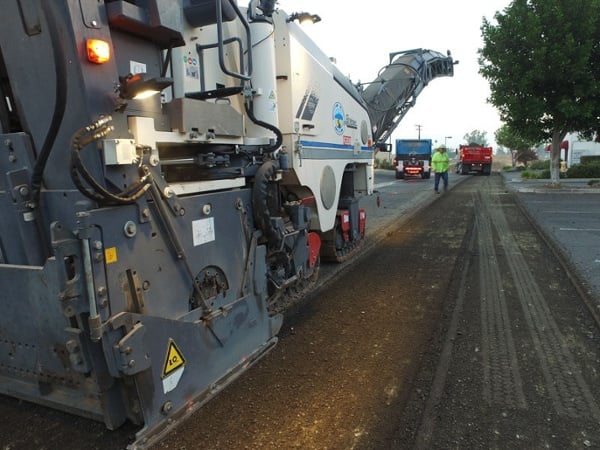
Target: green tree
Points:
(520, 147)
(542, 60)
(476, 137)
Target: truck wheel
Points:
(465, 169)
(400, 175)
(427, 175)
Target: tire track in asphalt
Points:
(502, 382)
(427, 426)
(568, 391)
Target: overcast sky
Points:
(360, 35)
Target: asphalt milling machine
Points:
(146, 240)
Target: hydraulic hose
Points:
(260, 196)
(58, 53)
(268, 126)
(83, 137)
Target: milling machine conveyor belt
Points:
(398, 84)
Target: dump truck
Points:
(413, 158)
(474, 158)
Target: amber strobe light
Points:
(98, 51)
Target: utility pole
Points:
(419, 130)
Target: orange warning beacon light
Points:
(98, 51)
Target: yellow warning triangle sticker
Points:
(174, 359)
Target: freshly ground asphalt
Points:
(460, 328)
(518, 351)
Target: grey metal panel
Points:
(188, 114)
(149, 254)
(209, 365)
(33, 336)
(19, 233)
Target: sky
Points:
(361, 35)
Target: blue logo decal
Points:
(338, 118)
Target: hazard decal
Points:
(110, 255)
(174, 359)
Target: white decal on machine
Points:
(136, 67)
(203, 231)
(171, 381)
(192, 69)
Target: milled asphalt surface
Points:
(515, 362)
(568, 217)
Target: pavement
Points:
(569, 218)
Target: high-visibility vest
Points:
(440, 162)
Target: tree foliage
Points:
(519, 146)
(542, 61)
(476, 137)
(508, 137)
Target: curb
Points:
(558, 190)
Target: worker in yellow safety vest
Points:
(440, 164)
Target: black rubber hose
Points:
(58, 53)
(83, 137)
(100, 194)
(268, 126)
(260, 204)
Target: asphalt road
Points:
(458, 328)
(569, 217)
(517, 353)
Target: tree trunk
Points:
(557, 138)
